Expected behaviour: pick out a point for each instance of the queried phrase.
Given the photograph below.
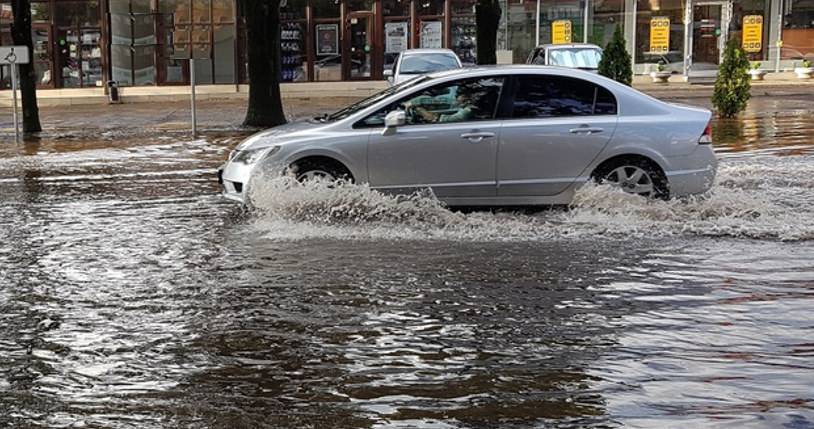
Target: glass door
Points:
(710, 21)
(359, 35)
(43, 56)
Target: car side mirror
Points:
(388, 73)
(392, 121)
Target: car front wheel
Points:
(635, 176)
(327, 170)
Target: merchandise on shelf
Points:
(291, 52)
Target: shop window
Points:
(119, 6)
(396, 8)
(140, 6)
(201, 12)
(328, 55)
(292, 52)
(756, 11)
(223, 49)
(430, 8)
(463, 30)
(293, 9)
(798, 32)
(77, 14)
(360, 5)
(223, 11)
(144, 71)
(661, 11)
(325, 8)
(40, 12)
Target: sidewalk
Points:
(162, 110)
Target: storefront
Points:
(81, 43)
(687, 35)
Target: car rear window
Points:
(424, 63)
(558, 96)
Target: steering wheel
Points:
(411, 112)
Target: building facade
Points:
(87, 43)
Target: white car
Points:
(491, 136)
(585, 56)
(415, 62)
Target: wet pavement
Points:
(133, 296)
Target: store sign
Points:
(561, 31)
(395, 36)
(659, 34)
(327, 39)
(431, 34)
(752, 33)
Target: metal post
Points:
(192, 95)
(779, 42)
(13, 67)
(537, 21)
(587, 21)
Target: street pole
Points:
(779, 42)
(13, 67)
(192, 95)
(537, 22)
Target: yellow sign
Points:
(660, 34)
(561, 31)
(752, 33)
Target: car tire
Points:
(323, 169)
(634, 175)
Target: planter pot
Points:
(804, 72)
(660, 76)
(757, 74)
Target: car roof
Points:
(568, 45)
(427, 51)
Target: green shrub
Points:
(616, 63)
(806, 63)
(733, 83)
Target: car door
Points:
(454, 158)
(556, 126)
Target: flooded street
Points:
(133, 296)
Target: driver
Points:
(464, 98)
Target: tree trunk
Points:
(21, 36)
(263, 41)
(487, 19)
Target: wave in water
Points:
(752, 198)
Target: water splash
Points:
(752, 198)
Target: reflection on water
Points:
(131, 295)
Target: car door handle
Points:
(586, 130)
(477, 136)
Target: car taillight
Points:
(706, 138)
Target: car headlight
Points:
(250, 156)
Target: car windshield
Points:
(584, 58)
(423, 63)
(373, 99)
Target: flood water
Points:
(133, 296)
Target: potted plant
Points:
(661, 75)
(757, 72)
(806, 71)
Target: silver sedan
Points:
(514, 135)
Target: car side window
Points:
(473, 99)
(560, 96)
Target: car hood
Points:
(280, 134)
